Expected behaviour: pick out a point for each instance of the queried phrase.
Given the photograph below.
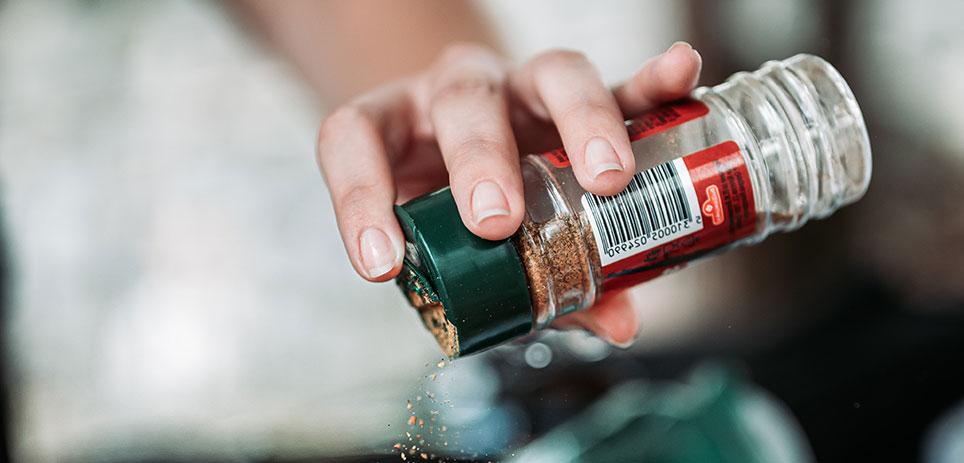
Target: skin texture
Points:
(462, 120)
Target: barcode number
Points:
(658, 206)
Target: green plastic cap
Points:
(479, 284)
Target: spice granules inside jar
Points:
(555, 265)
(564, 255)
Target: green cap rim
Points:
(481, 284)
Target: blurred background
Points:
(174, 287)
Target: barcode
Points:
(658, 206)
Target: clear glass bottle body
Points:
(801, 138)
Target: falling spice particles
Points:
(418, 446)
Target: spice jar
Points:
(762, 152)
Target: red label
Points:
(727, 213)
(651, 122)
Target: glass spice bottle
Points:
(762, 152)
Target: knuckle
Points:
(466, 70)
(348, 117)
(588, 114)
(465, 87)
(458, 51)
(474, 149)
(353, 201)
(560, 58)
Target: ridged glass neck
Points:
(808, 134)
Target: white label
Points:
(657, 207)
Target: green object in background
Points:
(480, 283)
(714, 417)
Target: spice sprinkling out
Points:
(418, 446)
(421, 296)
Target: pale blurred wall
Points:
(178, 283)
(616, 35)
(913, 60)
(179, 287)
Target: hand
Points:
(464, 122)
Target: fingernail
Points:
(679, 44)
(377, 252)
(488, 201)
(619, 345)
(600, 333)
(600, 157)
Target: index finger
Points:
(353, 156)
(471, 121)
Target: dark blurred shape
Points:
(868, 381)
(714, 415)
(4, 356)
(865, 380)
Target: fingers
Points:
(469, 114)
(464, 105)
(667, 77)
(613, 319)
(564, 86)
(354, 162)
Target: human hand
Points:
(464, 122)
